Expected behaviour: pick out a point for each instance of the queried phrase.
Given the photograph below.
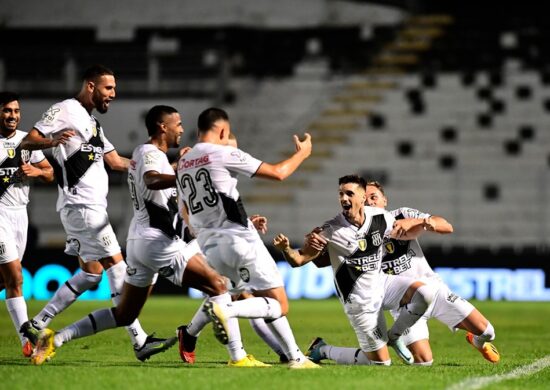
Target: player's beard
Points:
(99, 104)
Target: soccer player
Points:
(82, 202)
(153, 246)
(17, 166)
(208, 187)
(354, 247)
(406, 258)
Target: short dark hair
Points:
(94, 72)
(208, 117)
(7, 97)
(154, 116)
(353, 179)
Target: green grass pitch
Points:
(106, 360)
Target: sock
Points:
(487, 335)
(267, 308)
(17, 307)
(280, 328)
(343, 355)
(412, 311)
(198, 322)
(116, 281)
(260, 327)
(235, 346)
(65, 296)
(427, 364)
(94, 322)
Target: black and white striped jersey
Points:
(155, 211)
(14, 191)
(79, 169)
(356, 256)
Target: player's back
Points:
(207, 184)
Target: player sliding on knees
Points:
(354, 247)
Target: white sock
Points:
(65, 296)
(198, 322)
(94, 322)
(412, 312)
(487, 335)
(257, 307)
(344, 355)
(280, 328)
(116, 281)
(262, 330)
(427, 364)
(235, 345)
(17, 307)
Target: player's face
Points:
(10, 115)
(352, 199)
(103, 93)
(174, 129)
(375, 198)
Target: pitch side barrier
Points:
(475, 274)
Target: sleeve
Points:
(153, 161)
(107, 145)
(53, 120)
(390, 220)
(36, 156)
(235, 160)
(413, 213)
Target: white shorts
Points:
(447, 307)
(243, 258)
(370, 327)
(89, 233)
(13, 233)
(163, 256)
(395, 286)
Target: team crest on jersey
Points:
(11, 153)
(362, 244)
(94, 131)
(25, 155)
(390, 247)
(376, 238)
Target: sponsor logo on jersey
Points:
(50, 115)
(194, 163)
(362, 244)
(8, 171)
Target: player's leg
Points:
(416, 338)
(130, 304)
(371, 332)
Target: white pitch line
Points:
(482, 381)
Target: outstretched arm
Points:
(116, 162)
(34, 140)
(285, 168)
(296, 258)
(158, 181)
(411, 228)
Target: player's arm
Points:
(285, 168)
(34, 140)
(41, 170)
(433, 223)
(116, 162)
(296, 258)
(316, 242)
(158, 181)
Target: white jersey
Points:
(406, 257)
(207, 184)
(155, 211)
(356, 256)
(80, 174)
(14, 191)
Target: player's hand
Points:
(183, 151)
(315, 240)
(303, 146)
(281, 242)
(62, 137)
(260, 223)
(28, 170)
